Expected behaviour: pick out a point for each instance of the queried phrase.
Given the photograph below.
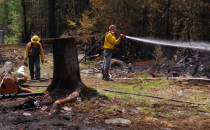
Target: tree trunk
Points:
(52, 31)
(168, 51)
(25, 34)
(66, 75)
(168, 21)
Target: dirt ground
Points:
(91, 115)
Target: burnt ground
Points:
(12, 118)
(144, 113)
(89, 118)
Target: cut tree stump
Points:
(66, 84)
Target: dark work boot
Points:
(103, 73)
(107, 78)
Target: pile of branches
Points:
(197, 65)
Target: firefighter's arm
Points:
(27, 51)
(41, 53)
(112, 39)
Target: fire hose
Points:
(19, 95)
(151, 96)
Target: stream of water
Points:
(193, 45)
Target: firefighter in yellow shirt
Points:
(109, 43)
(33, 52)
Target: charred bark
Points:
(52, 29)
(167, 50)
(66, 75)
(25, 38)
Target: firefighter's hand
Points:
(122, 35)
(26, 62)
(42, 61)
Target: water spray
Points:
(193, 45)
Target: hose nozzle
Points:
(122, 35)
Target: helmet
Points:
(35, 39)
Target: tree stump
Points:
(66, 84)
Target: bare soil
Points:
(90, 115)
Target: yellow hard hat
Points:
(35, 39)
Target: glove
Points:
(122, 35)
(42, 61)
(26, 62)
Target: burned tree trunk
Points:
(25, 34)
(52, 29)
(66, 75)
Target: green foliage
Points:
(146, 110)
(11, 20)
(188, 20)
(109, 109)
(158, 55)
(194, 113)
(71, 24)
(204, 108)
(71, 31)
(144, 76)
(178, 54)
(86, 23)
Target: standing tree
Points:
(52, 29)
(25, 37)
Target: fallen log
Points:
(10, 81)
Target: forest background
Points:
(177, 20)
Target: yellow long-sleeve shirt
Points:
(110, 41)
(28, 50)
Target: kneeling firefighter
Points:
(33, 52)
(109, 43)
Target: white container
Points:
(79, 99)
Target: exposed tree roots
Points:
(71, 98)
(81, 88)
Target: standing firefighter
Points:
(33, 52)
(109, 43)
